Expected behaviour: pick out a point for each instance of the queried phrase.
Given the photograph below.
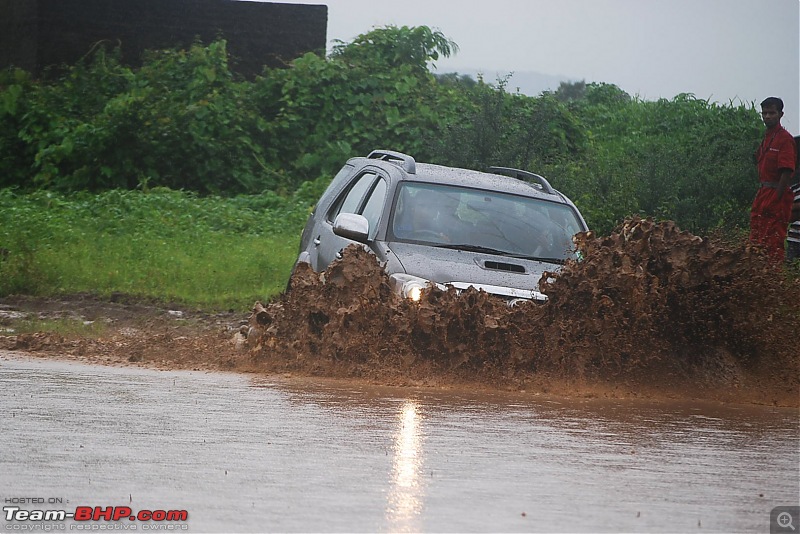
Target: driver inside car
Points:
(428, 216)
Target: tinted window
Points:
(351, 201)
(374, 207)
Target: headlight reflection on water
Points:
(405, 497)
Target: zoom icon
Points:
(784, 520)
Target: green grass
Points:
(210, 252)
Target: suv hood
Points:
(500, 275)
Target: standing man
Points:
(775, 158)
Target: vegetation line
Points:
(179, 180)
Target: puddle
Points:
(311, 455)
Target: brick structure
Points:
(35, 34)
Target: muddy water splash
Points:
(649, 308)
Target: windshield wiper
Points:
(489, 250)
(476, 248)
(560, 261)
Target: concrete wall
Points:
(35, 34)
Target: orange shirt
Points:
(776, 153)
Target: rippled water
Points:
(269, 454)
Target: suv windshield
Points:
(483, 221)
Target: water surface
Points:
(273, 454)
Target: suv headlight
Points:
(412, 291)
(408, 286)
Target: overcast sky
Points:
(723, 50)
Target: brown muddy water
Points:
(265, 454)
(649, 307)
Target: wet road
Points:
(244, 454)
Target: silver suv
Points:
(497, 231)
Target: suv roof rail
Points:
(407, 163)
(526, 177)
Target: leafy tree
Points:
(570, 91)
(454, 79)
(16, 155)
(395, 47)
(499, 128)
(179, 121)
(373, 93)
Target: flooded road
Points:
(275, 454)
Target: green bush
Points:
(181, 121)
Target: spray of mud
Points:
(649, 309)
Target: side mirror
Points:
(351, 226)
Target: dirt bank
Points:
(650, 312)
(120, 331)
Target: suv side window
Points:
(351, 201)
(374, 207)
(335, 184)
